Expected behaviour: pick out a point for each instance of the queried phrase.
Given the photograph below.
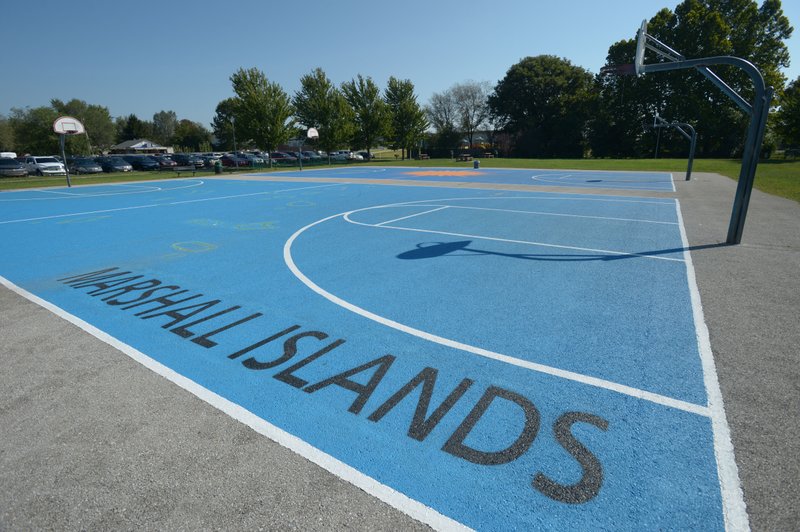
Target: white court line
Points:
(540, 213)
(54, 216)
(253, 194)
(347, 218)
(57, 192)
(548, 197)
(734, 508)
(411, 216)
(164, 204)
(612, 184)
(152, 187)
(394, 498)
(541, 368)
(196, 183)
(554, 176)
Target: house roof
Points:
(136, 144)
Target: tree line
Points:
(543, 107)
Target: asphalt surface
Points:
(93, 440)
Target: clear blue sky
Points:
(143, 57)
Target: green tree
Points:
(100, 130)
(190, 135)
(131, 128)
(7, 142)
(164, 124)
(408, 120)
(546, 102)
(33, 130)
(788, 117)
(224, 125)
(263, 111)
(371, 115)
(319, 104)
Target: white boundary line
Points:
(71, 195)
(548, 196)
(152, 205)
(557, 179)
(541, 368)
(412, 215)
(540, 213)
(56, 192)
(733, 505)
(394, 498)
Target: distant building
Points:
(140, 146)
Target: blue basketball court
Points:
(482, 358)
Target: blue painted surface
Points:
(483, 270)
(508, 176)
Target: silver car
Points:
(12, 168)
(44, 166)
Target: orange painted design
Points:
(443, 172)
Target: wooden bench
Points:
(465, 157)
(422, 156)
(179, 169)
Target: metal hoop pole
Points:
(62, 136)
(755, 134)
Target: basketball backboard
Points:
(67, 125)
(641, 41)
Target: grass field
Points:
(776, 176)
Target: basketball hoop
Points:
(757, 109)
(313, 133)
(618, 70)
(67, 125)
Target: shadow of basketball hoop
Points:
(432, 250)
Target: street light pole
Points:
(233, 123)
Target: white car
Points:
(44, 166)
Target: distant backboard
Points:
(67, 125)
(313, 133)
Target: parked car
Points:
(12, 168)
(188, 159)
(254, 159)
(366, 155)
(84, 165)
(282, 157)
(232, 160)
(114, 164)
(341, 155)
(141, 162)
(311, 155)
(210, 159)
(164, 162)
(44, 165)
